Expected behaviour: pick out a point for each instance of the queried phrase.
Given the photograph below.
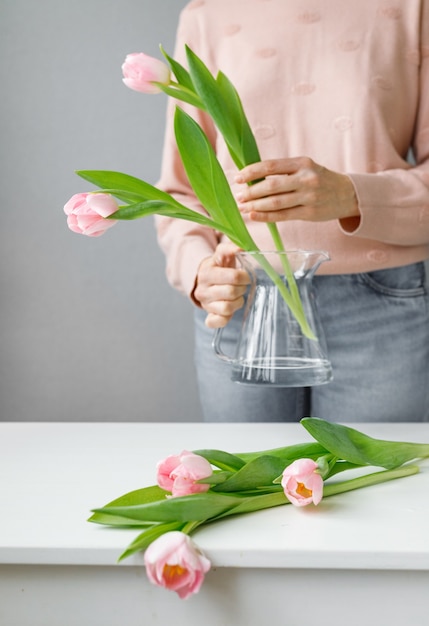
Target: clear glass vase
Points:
(273, 347)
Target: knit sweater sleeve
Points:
(394, 204)
(185, 244)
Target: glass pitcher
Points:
(272, 348)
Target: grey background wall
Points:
(89, 328)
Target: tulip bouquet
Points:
(93, 213)
(205, 486)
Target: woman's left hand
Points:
(295, 189)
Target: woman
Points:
(337, 94)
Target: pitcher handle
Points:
(217, 347)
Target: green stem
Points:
(189, 527)
(179, 92)
(267, 501)
(179, 88)
(294, 303)
(274, 231)
(291, 295)
(369, 480)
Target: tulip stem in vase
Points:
(219, 98)
(92, 215)
(291, 295)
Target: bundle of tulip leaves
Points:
(218, 98)
(246, 482)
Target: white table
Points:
(359, 558)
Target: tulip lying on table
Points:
(190, 493)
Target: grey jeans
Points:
(377, 332)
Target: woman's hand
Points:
(296, 189)
(220, 285)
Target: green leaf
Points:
(151, 207)
(215, 479)
(125, 196)
(257, 473)
(196, 507)
(137, 496)
(288, 454)
(142, 541)
(147, 200)
(223, 103)
(221, 459)
(249, 152)
(253, 503)
(200, 164)
(342, 466)
(208, 179)
(117, 521)
(140, 496)
(181, 94)
(106, 179)
(353, 446)
(207, 89)
(182, 75)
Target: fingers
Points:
(215, 321)
(221, 285)
(225, 312)
(278, 189)
(225, 254)
(270, 167)
(295, 189)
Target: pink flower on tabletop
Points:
(179, 473)
(142, 71)
(302, 483)
(87, 213)
(173, 561)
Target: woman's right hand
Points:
(220, 285)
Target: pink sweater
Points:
(344, 82)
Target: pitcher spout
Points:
(311, 261)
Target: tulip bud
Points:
(179, 473)
(142, 71)
(302, 482)
(173, 561)
(86, 213)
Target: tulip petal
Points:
(173, 561)
(179, 473)
(102, 203)
(301, 482)
(141, 71)
(86, 213)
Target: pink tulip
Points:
(302, 483)
(173, 561)
(86, 213)
(141, 72)
(178, 473)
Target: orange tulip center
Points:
(173, 572)
(302, 490)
